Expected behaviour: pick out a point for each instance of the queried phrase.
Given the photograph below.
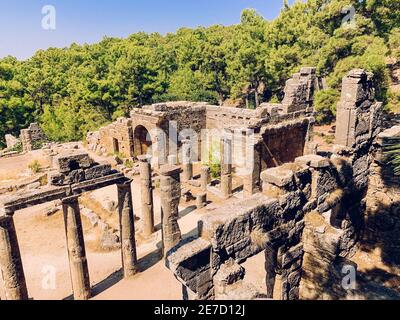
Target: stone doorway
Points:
(115, 145)
(142, 141)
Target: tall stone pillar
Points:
(146, 195)
(170, 188)
(11, 267)
(205, 178)
(353, 110)
(226, 164)
(187, 163)
(251, 181)
(127, 229)
(76, 249)
(271, 256)
(26, 140)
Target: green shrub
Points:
(325, 105)
(214, 160)
(38, 144)
(394, 101)
(35, 166)
(129, 163)
(17, 148)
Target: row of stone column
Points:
(251, 181)
(10, 257)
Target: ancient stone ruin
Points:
(273, 125)
(305, 210)
(30, 139)
(30, 136)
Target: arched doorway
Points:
(142, 140)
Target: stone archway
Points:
(141, 140)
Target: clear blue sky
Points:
(88, 21)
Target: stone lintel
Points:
(393, 132)
(15, 203)
(117, 178)
(70, 199)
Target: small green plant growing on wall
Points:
(129, 163)
(35, 166)
(17, 148)
(36, 145)
(214, 159)
(392, 151)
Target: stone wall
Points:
(117, 137)
(30, 136)
(11, 141)
(284, 142)
(299, 91)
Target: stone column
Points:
(187, 163)
(127, 229)
(353, 110)
(226, 164)
(251, 181)
(205, 178)
(170, 188)
(270, 270)
(11, 267)
(201, 200)
(76, 249)
(146, 188)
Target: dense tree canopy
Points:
(73, 90)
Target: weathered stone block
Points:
(189, 259)
(229, 273)
(278, 176)
(97, 171)
(73, 162)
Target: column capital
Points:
(70, 199)
(125, 185)
(170, 170)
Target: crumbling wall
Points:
(117, 137)
(299, 91)
(224, 117)
(282, 143)
(11, 141)
(330, 241)
(76, 167)
(31, 136)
